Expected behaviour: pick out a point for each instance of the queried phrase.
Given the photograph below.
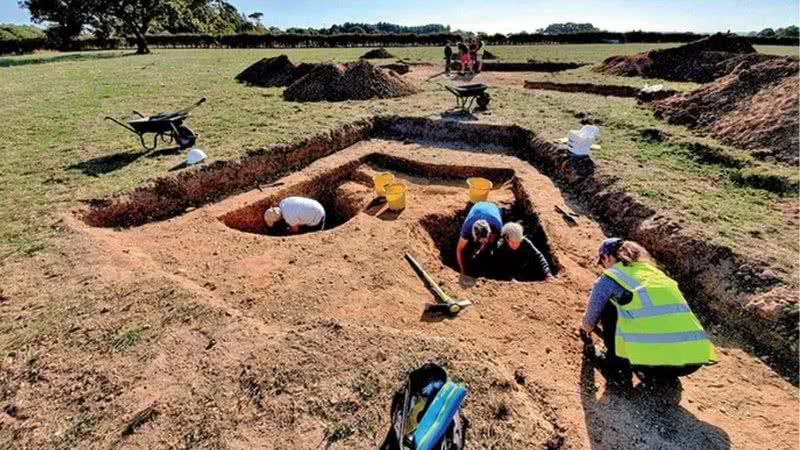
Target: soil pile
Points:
(400, 68)
(269, 72)
(700, 61)
(489, 56)
(755, 108)
(378, 53)
(355, 81)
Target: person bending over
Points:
(518, 259)
(299, 214)
(647, 326)
(478, 233)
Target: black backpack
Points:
(406, 403)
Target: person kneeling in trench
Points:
(299, 214)
(647, 326)
(478, 234)
(517, 259)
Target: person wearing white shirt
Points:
(299, 214)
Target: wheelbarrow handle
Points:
(193, 106)
(123, 125)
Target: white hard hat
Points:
(195, 156)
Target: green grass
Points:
(57, 149)
(126, 340)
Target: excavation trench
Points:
(713, 273)
(347, 191)
(444, 230)
(608, 90)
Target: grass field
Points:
(57, 149)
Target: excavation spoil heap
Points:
(378, 53)
(355, 81)
(270, 72)
(755, 108)
(700, 61)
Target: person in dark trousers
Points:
(516, 258)
(448, 57)
(647, 326)
(474, 48)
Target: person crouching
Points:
(518, 259)
(647, 326)
(297, 214)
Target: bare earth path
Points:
(187, 333)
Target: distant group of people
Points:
(638, 311)
(469, 56)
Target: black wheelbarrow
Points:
(468, 94)
(167, 128)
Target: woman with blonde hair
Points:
(646, 324)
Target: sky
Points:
(506, 16)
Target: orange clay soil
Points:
(191, 333)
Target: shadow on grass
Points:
(12, 62)
(111, 163)
(459, 115)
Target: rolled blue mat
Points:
(439, 415)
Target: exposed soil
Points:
(378, 53)
(728, 283)
(261, 342)
(273, 72)
(354, 81)
(700, 61)
(754, 108)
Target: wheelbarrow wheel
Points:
(185, 137)
(483, 101)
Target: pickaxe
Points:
(445, 304)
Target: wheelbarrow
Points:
(167, 128)
(468, 94)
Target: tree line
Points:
(108, 24)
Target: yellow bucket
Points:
(478, 189)
(381, 180)
(396, 196)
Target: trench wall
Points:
(738, 292)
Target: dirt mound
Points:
(489, 56)
(269, 72)
(378, 53)
(755, 108)
(400, 68)
(356, 81)
(700, 61)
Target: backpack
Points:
(409, 404)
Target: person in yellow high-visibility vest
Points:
(646, 324)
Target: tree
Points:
(256, 17)
(766, 32)
(788, 32)
(66, 18)
(134, 16)
(568, 28)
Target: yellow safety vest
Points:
(657, 328)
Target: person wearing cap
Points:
(517, 258)
(299, 214)
(478, 233)
(646, 325)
